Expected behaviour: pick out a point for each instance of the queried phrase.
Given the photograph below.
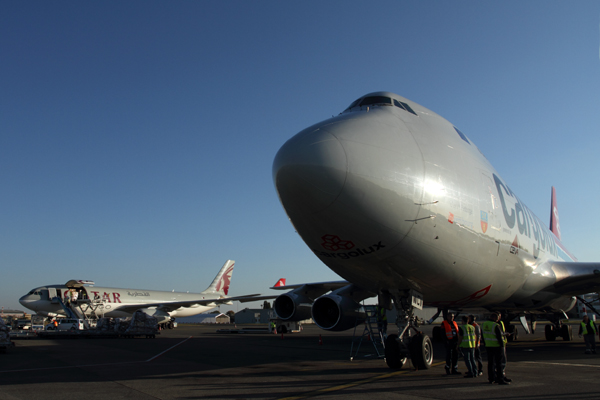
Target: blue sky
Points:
(137, 138)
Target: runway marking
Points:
(349, 385)
(169, 349)
(99, 365)
(562, 364)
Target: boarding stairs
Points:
(84, 309)
(371, 334)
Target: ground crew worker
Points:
(492, 336)
(382, 321)
(588, 330)
(478, 338)
(466, 343)
(273, 327)
(505, 341)
(451, 342)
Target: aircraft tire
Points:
(282, 329)
(393, 357)
(550, 333)
(566, 332)
(421, 351)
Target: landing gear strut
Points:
(558, 329)
(410, 342)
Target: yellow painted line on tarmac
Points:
(356, 383)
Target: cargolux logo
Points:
(334, 243)
(225, 280)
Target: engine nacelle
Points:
(292, 306)
(162, 317)
(337, 313)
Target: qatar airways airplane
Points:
(117, 302)
(400, 203)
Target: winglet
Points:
(280, 283)
(554, 223)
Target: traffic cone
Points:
(320, 340)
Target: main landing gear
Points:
(558, 329)
(410, 342)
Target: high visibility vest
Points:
(448, 328)
(489, 336)
(468, 340)
(477, 340)
(382, 315)
(584, 327)
(504, 338)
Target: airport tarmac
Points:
(195, 362)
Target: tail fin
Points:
(280, 282)
(554, 224)
(220, 285)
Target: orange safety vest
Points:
(448, 328)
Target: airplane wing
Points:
(325, 286)
(171, 306)
(575, 278)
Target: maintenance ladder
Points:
(371, 333)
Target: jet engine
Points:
(292, 306)
(161, 316)
(334, 312)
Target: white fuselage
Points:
(395, 200)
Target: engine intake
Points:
(292, 307)
(337, 313)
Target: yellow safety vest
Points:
(504, 338)
(468, 340)
(489, 336)
(584, 327)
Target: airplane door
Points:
(52, 294)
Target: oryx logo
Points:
(334, 243)
(224, 282)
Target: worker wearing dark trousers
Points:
(505, 341)
(494, 346)
(478, 340)
(588, 330)
(451, 342)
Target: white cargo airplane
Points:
(116, 302)
(404, 206)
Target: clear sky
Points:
(137, 138)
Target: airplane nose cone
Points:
(309, 171)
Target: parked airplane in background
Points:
(117, 302)
(404, 206)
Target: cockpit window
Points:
(462, 135)
(367, 101)
(381, 101)
(404, 106)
